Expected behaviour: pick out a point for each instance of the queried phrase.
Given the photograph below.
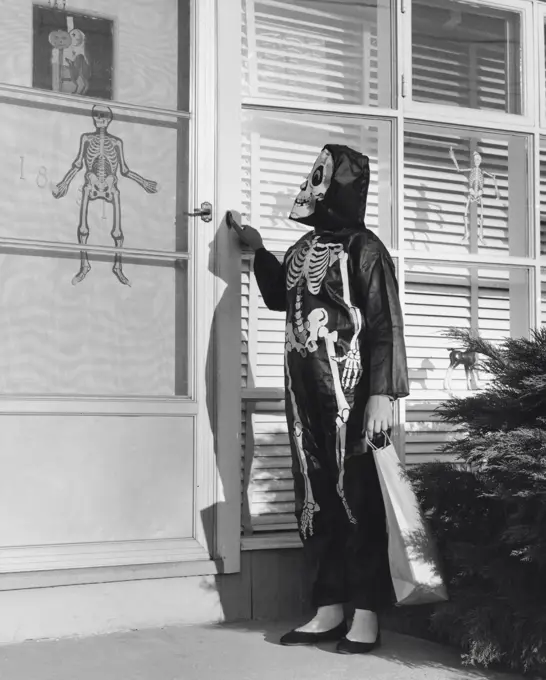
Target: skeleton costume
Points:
(344, 342)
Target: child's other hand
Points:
(378, 415)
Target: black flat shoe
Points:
(297, 637)
(351, 647)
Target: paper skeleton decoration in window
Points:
(476, 181)
(102, 156)
(467, 359)
(315, 186)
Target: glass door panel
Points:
(95, 262)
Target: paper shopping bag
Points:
(412, 552)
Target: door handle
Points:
(205, 213)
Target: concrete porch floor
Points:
(246, 651)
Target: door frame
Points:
(218, 293)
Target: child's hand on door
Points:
(248, 235)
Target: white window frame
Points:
(540, 24)
(466, 116)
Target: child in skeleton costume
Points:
(345, 362)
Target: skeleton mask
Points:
(102, 116)
(315, 186)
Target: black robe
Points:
(338, 287)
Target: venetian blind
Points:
(543, 298)
(542, 196)
(268, 476)
(463, 55)
(438, 299)
(321, 52)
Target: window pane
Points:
(542, 190)
(543, 296)
(330, 51)
(468, 55)
(466, 192)
(278, 153)
(95, 338)
(46, 143)
(133, 51)
(493, 302)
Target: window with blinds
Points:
(437, 191)
(326, 52)
(278, 152)
(338, 54)
(466, 55)
(543, 296)
(268, 503)
(542, 195)
(493, 303)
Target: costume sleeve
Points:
(271, 278)
(384, 335)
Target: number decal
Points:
(41, 177)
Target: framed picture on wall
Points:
(73, 53)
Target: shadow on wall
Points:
(271, 583)
(227, 586)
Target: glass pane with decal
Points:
(467, 54)
(135, 51)
(490, 301)
(333, 51)
(95, 166)
(466, 191)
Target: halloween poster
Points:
(72, 53)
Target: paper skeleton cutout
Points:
(476, 181)
(315, 186)
(102, 156)
(464, 358)
(307, 267)
(70, 65)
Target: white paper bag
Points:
(412, 552)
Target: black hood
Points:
(344, 204)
